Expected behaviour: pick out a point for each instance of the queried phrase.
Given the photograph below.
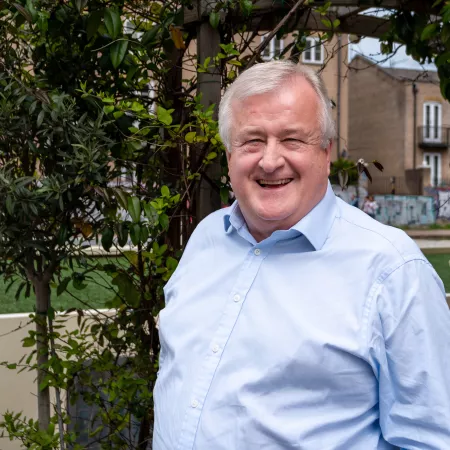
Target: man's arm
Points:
(410, 346)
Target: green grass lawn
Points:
(441, 265)
(94, 295)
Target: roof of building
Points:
(425, 76)
(411, 75)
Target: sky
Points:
(370, 47)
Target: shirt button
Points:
(215, 348)
(194, 403)
(236, 298)
(257, 251)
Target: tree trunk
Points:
(42, 290)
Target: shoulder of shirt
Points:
(362, 230)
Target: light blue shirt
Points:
(333, 335)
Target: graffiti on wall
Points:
(441, 201)
(405, 209)
(397, 209)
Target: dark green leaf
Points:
(107, 238)
(150, 35)
(224, 195)
(122, 234)
(164, 221)
(134, 208)
(80, 4)
(40, 118)
(117, 52)
(25, 13)
(93, 22)
(378, 165)
(214, 19)
(135, 233)
(113, 23)
(151, 214)
(63, 286)
(429, 31)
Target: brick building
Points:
(398, 117)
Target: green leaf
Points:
(107, 238)
(93, 22)
(32, 10)
(211, 156)
(151, 214)
(25, 13)
(134, 208)
(224, 195)
(246, 7)
(164, 221)
(171, 263)
(44, 383)
(80, 4)
(135, 233)
(214, 19)
(164, 116)
(150, 35)
(11, 366)
(165, 191)
(9, 205)
(428, 31)
(63, 286)
(40, 118)
(112, 22)
(117, 52)
(132, 257)
(118, 114)
(326, 22)
(29, 341)
(235, 62)
(108, 109)
(122, 234)
(190, 137)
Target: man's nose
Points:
(272, 158)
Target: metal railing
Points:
(433, 137)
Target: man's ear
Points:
(228, 153)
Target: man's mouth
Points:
(274, 184)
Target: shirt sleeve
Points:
(409, 348)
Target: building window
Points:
(313, 53)
(434, 162)
(273, 49)
(432, 122)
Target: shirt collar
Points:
(315, 226)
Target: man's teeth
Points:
(274, 182)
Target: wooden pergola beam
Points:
(267, 14)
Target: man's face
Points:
(277, 167)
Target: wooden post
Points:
(207, 198)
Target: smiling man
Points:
(295, 321)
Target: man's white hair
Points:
(266, 77)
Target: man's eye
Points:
(254, 141)
(292, 140)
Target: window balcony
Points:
(433, 137)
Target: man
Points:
(295, 321)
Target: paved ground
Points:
(429, 234)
